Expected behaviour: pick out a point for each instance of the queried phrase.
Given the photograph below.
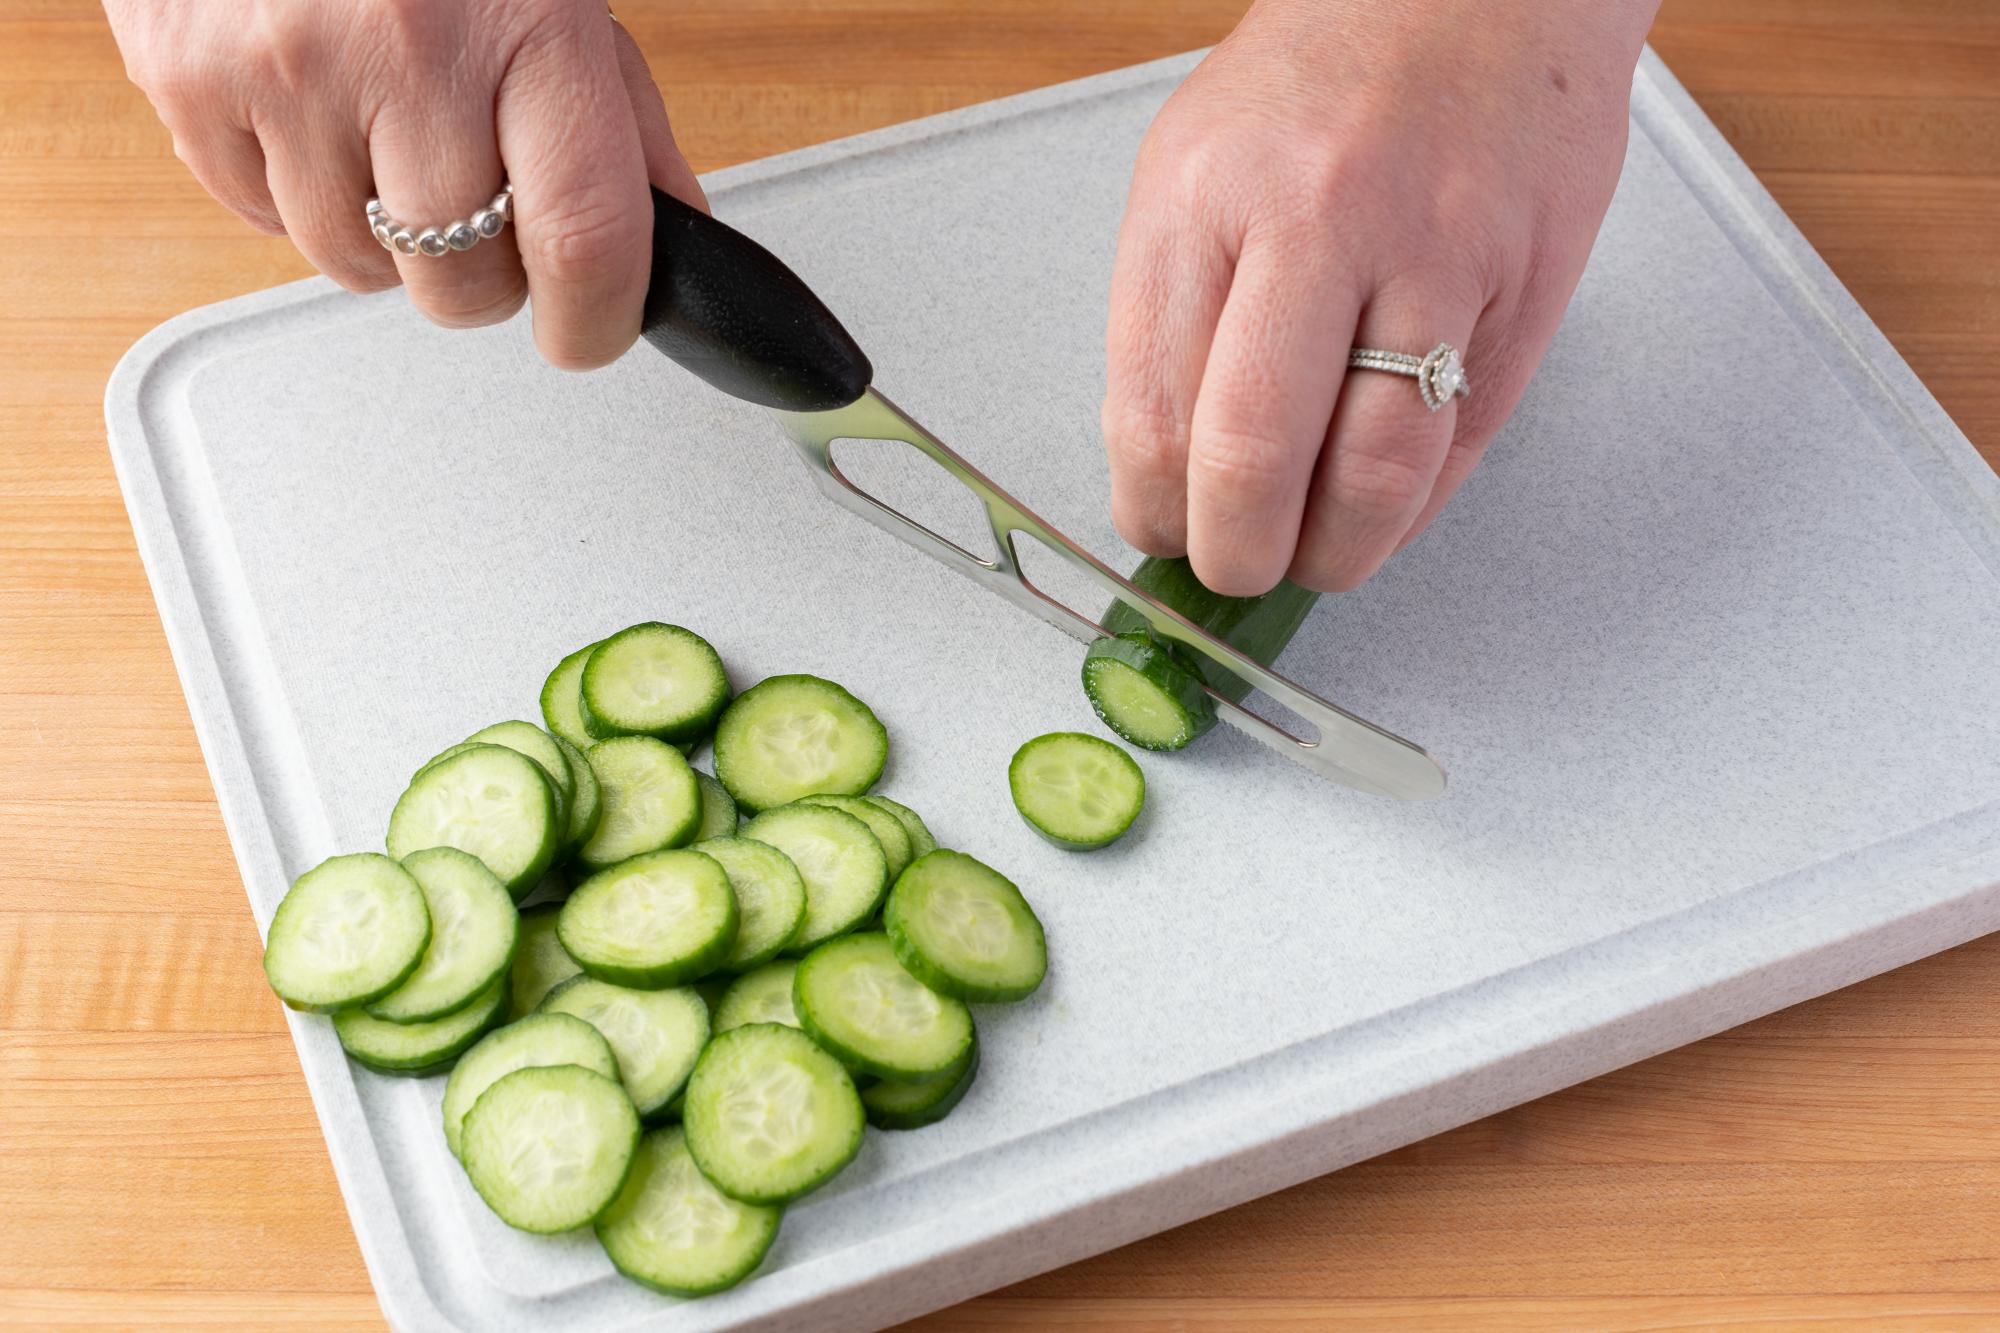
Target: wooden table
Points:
(159, 1161)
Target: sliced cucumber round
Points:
(656, 920)
(419, 1048)
(548, 1148)
(488, 800)
(654, 680)
(884, 824)
(532, 741)
(894, 1105)
(921, 841)
(1137, 688)
(770, 898)
(651, 800)
(760, 996)
(562, 699)
(586, 807)
(473, 929)
(533, 1042)
(718, 809)
(350, 930)
(770, 1115)
(963, 929)
(858, 1002)
(540, 964)
(843, 866)
(673, 1231)
(1080, 792)
(656, 1034)
(793, 736)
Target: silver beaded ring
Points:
(1440, 376)
(440, 241)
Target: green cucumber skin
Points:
(886, 1117)
(1162, 668)
(496, 1017)
(1258, 627)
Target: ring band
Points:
(1440, 375)
(462, 234)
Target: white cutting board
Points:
(1709, 646)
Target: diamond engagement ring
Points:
(436, 241)
(1440, 376)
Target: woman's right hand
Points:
(294, 113)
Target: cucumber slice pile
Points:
(1078, 791)
(582, 932)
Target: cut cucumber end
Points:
(963, 929)
(1138, 690)
(1080, 792)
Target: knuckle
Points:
(1379, 482)
(472, 304)
(1143, 439)
(590, 241)
(1240, 465)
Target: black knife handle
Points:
(727, 309)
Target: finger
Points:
(1267, 395)
(665, 166)
(583, 214)
(229, 162)
(320, 185)
(1168, 286)
(1384, 448)
(436, 161)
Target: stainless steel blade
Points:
(1346, 748)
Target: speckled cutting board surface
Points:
(1708, 645)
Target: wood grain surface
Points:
(1834, 1165)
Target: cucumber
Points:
(963, 929)
(533, 1042)
(1078, 791)
(1138, 687)
(562, 699)
(843, 866)
(651, 800)
(1152, 687)
(886, 827)
(586, 807)
(718, 809)
(894, 1105)
(673, 1231)
(528, 739)
(656, 920)
(921, 840)
(419, 1048)
(548, 1148)
(653, 680)
(349, 931)
(656, 1034)
(540, 964)
(859, 1003)
(769, 1115)
(770, 898)
(791, 736)
(473, 929)
(492, 802)
(760, 996)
